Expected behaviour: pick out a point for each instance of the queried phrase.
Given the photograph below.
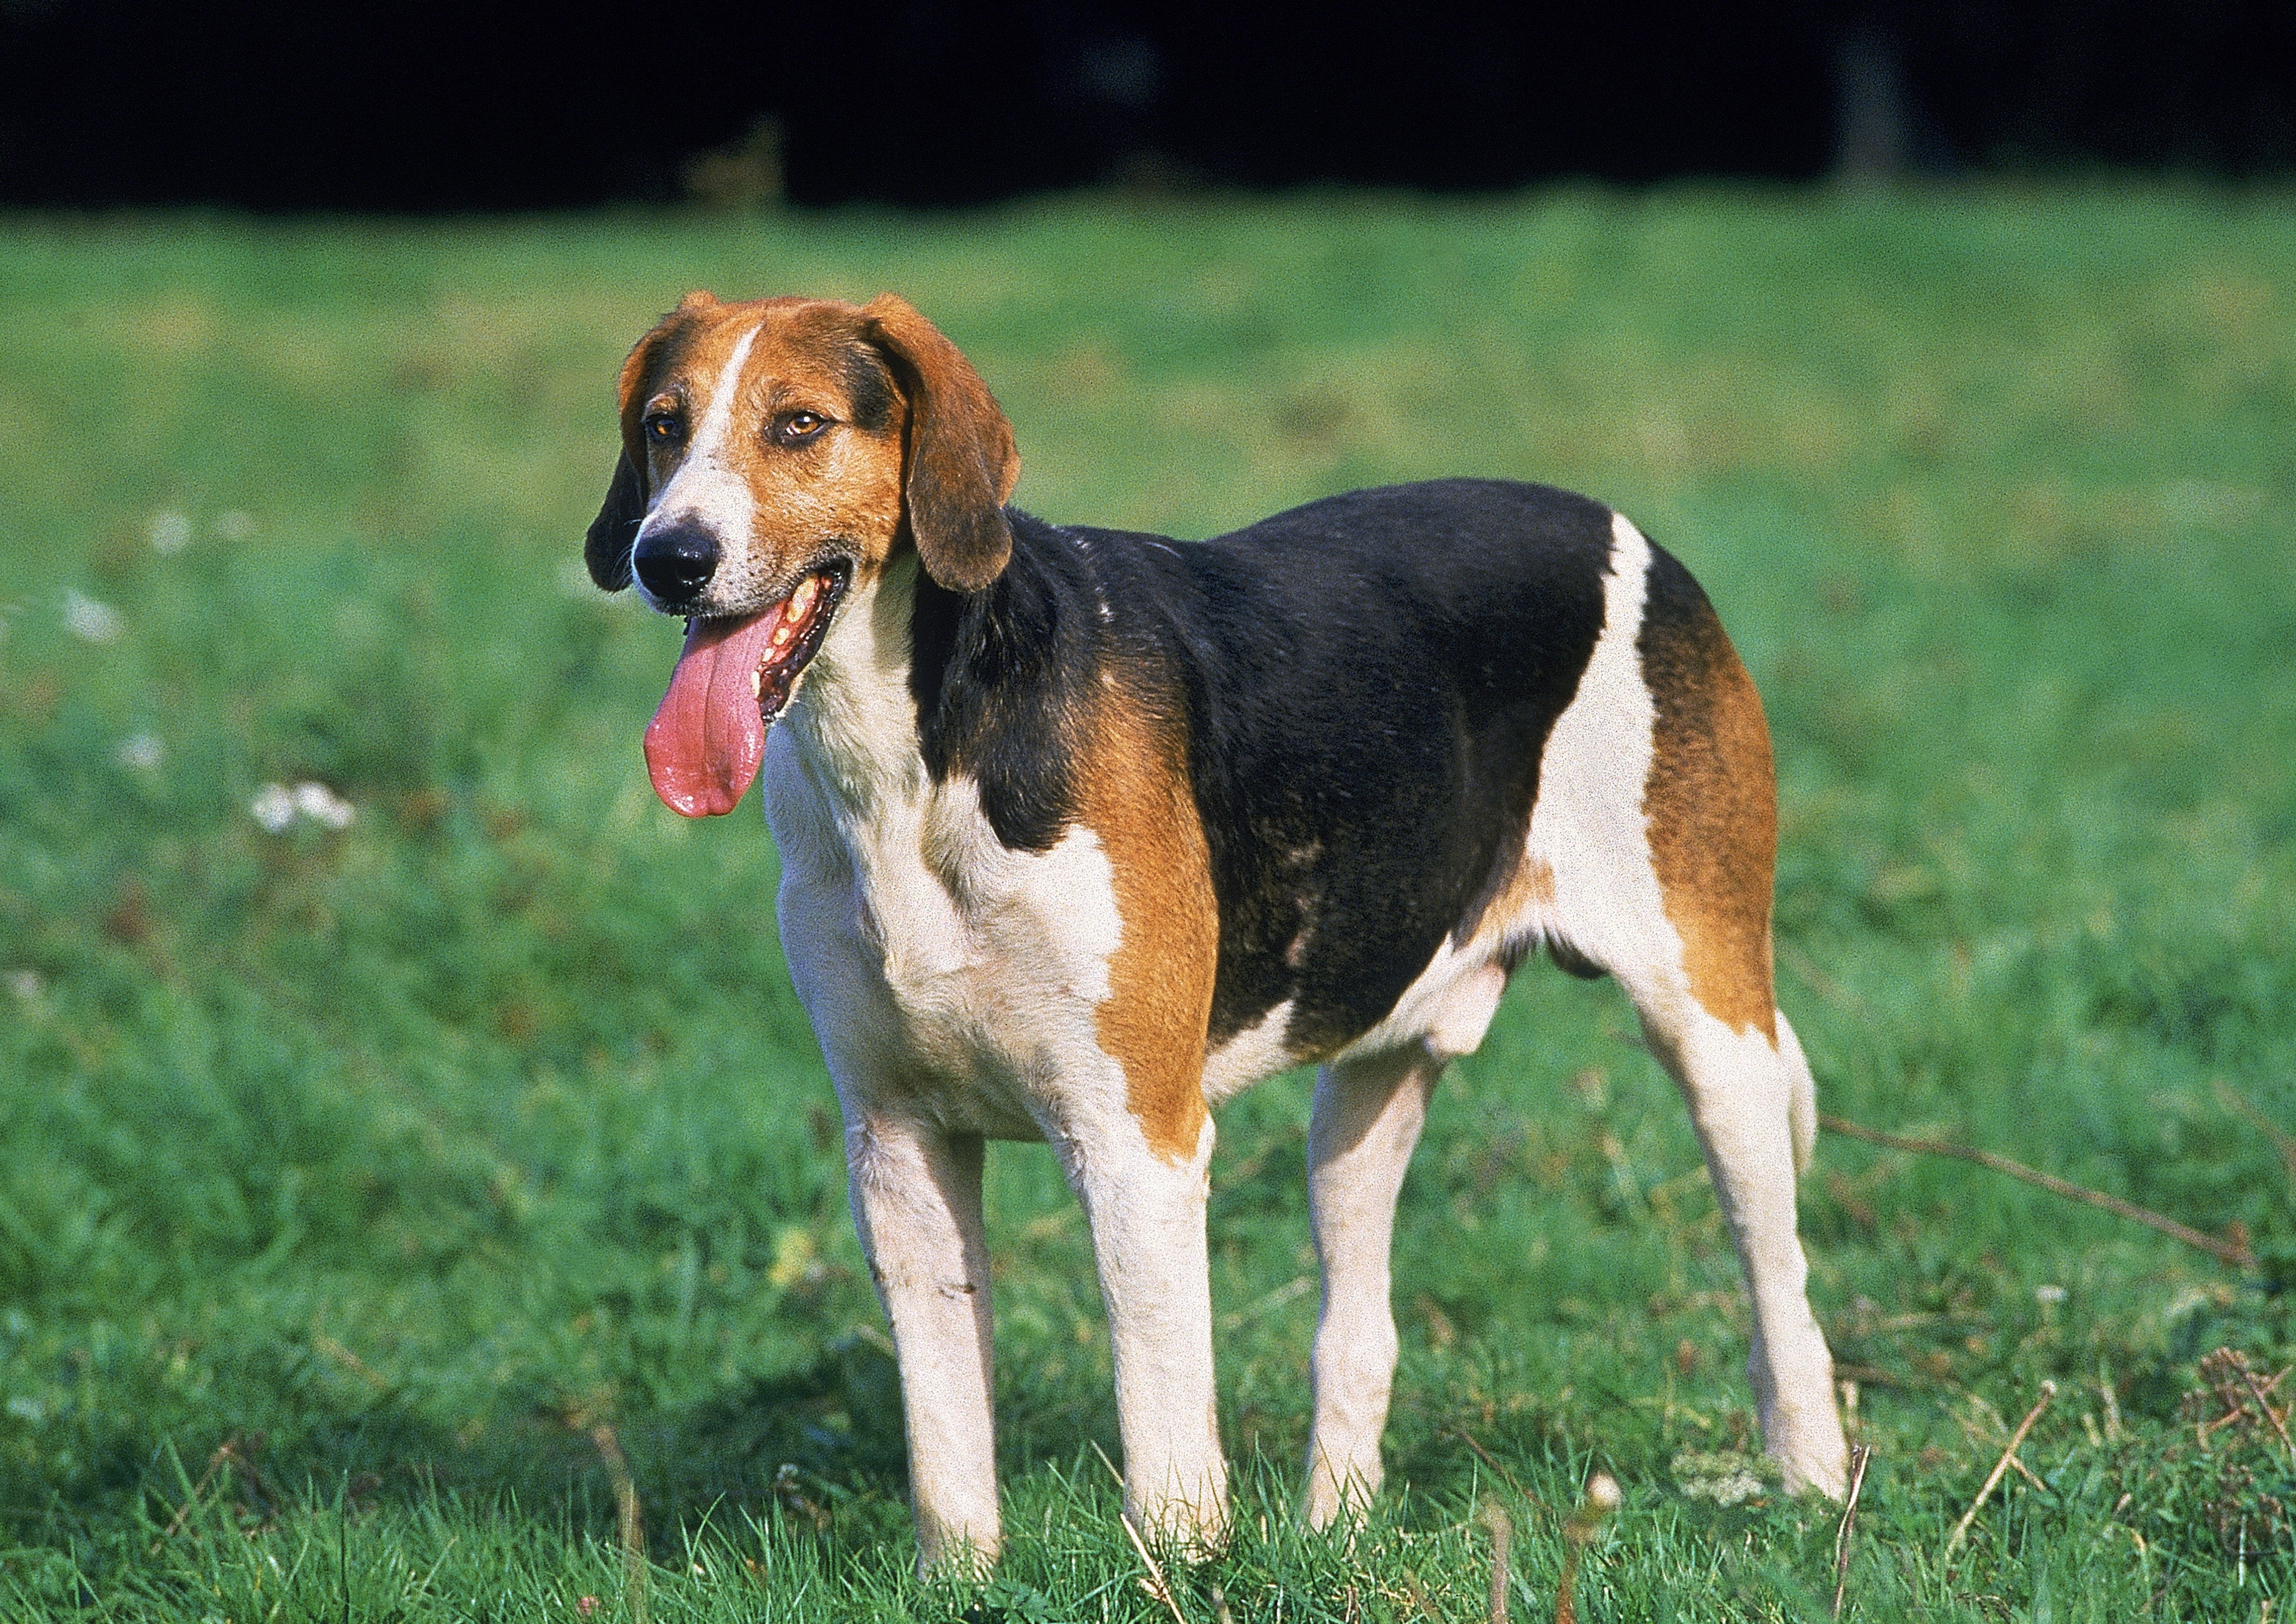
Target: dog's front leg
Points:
(1146, 1210)
(916, 1201)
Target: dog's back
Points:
(1366, 747)
(1366, 691)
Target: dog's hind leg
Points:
(1741, 1102)
(1367, 1115)
(1658, 814)
(1802, 1095)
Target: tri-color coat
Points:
(1083, 830)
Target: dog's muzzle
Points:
(674, 562)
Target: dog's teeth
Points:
(802, 596)
(758, 682)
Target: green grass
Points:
(347, 1179)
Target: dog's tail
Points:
(1802, 1095)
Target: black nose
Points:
(675, 561)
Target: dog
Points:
(1083, 830)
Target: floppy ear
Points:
(962, 464)
(606, 549)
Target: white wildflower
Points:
(89, 620)
(274, 808)
(235, 525)
(171, 532)
(1729, 1489)
(2048, 1293)
(141, 750)
(1725, 1476)
(26, 984)
(323, 806)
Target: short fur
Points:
(1083, 830)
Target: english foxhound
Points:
(1083, 830)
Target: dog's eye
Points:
(799, 426)
(662, 428)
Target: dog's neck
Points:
(917, 687)
(854, 716)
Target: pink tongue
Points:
(704, 746)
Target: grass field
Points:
(365, 1191)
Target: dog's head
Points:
(774, 454)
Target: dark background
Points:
(426, 105)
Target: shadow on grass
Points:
(824, 1443)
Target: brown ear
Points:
(606, 549)
(962, 464)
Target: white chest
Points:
(934, 960)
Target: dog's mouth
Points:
(735, 676)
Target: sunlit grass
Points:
(349, 1176)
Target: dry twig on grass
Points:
(1502, 1532)
(2000, 1467)
(1158, 1586)
(1602, 1499)
(2227, 1378)
(2279, 1425)
(237, 1455)
(1154, 1582)
(629, 1525)
(2224, 1252)
(224, 1453)
(1859, 1458)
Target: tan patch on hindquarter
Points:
(1132, 793)
(1526, 897)
(1712, 805)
